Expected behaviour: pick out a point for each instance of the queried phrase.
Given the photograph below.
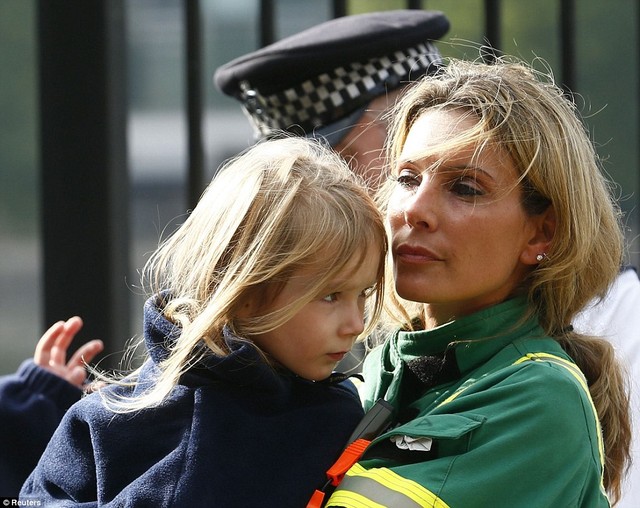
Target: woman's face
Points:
(461, 240)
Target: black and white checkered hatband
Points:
(332, 95)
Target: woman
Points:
(502, 228)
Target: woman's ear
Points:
(540, 241)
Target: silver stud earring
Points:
(540, 257)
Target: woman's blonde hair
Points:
(282, 207)
(533, 121)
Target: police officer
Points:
(336, 80)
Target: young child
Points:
(257, 297)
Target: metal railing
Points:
(83, 147)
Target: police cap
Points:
(319, 81)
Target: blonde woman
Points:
(256, 298)
(502, 229)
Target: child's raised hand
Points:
(51, 351)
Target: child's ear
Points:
(541, 238)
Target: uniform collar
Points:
(474, 338)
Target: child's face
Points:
(322, 332)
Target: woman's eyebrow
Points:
(444, 167)
(469, 167)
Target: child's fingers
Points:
(46, 342)
(63, 340)
(85, 353)
(76, 376)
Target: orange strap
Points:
(348, 458)
(336, 472)
(317, 500)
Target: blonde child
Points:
(256, 298)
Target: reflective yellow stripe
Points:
(347, 499)
(383, 487)
(571, 367)
(409, 488)
(577, 373)
(454, 395)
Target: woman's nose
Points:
(419, 208)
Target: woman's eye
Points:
(331, 298)
(408, 179)
(465, 187)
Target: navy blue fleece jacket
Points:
(32, 403)
(233, 433)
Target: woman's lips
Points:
(415, 254)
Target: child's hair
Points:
(283, 206)
(538, 126)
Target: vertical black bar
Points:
(568, 43)
(267, 22)
(338, 8)
(414, 4)
(492, 24)
(83, 166)
(193, 50)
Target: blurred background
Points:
(155, 195)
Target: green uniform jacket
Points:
(506, 421)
